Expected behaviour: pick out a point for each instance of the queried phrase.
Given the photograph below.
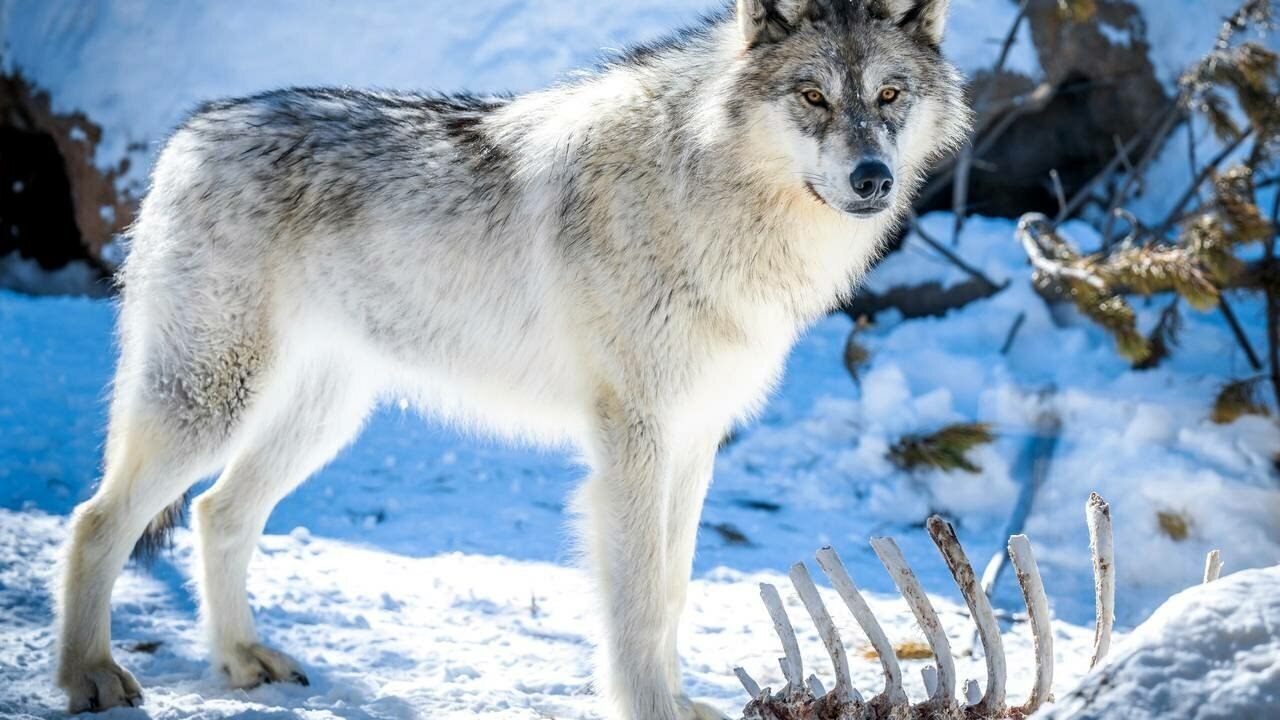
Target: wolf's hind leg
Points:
(302, 429)
(149, 465)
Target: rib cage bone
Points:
(807, 699)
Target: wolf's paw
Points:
(248, 666)
(690, 710)
(99, 687)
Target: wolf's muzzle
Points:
(872, 181)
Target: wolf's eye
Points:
(814, 97)
(888, 95)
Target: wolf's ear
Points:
(764, 21)
(925, 19)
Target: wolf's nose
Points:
(871, 180)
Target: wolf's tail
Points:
(159, 533)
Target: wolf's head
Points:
(855, 93)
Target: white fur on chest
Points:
(732, 380)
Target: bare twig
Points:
(1191, 145)
(951, 257)
(1124, 154)
(1168, 223)
(1135, 226)
(1013, 333)
(928, 299)
(1273, 301)
(1084, 193)
(1032, 229)
(1241, 338)
(960, 192)
(1056, 178)
(981, 104)
(987, 135)
(1010, 37)
(1134, 176)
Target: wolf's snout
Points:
(871, 181)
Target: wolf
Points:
(620, 263)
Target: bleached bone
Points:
(808, 700)
(1097, 514)
(826, 630)
(944, 536)
(838, 574)
(929, 676)
(903, 577)
(792, 667)
(816, 686)
(748, 683)
(1213, 566)
(1024, 564)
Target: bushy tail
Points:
(159, 533)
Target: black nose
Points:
(871, 180)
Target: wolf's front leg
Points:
(626, 524)
(690, 478)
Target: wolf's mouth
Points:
(859, 210)
(867, 210)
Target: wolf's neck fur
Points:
(746, 223)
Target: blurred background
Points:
(1087, 299)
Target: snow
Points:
(386, 635)
(975, 31)
(428, 574)
(1178, 35)
(405, 576)
(160, 59)
(988, 247)
(1210, 652)
(26, 276)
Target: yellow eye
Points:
(814, 97)
(889, 94)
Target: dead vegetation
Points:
(946, 449)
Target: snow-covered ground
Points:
(1210, 652)
(426, 574)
